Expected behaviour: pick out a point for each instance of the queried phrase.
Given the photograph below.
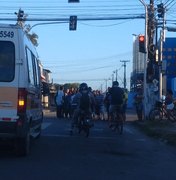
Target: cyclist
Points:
(83, 104)
(116, 101)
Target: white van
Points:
(20, 88)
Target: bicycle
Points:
(160, 113)
(117, 121)
(84, 123)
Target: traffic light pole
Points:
(145, 59)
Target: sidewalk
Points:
(131, 115)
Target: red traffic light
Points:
(141, 38)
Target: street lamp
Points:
(39, 24)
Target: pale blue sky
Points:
(95, 49)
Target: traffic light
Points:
(160, 10)
(73, 23)
(73, 1)
(141, 39)
(20, 15)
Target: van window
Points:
(30, 67)
(33, 68)
(37, 73)
(7, 61)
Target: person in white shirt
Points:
(59, 102)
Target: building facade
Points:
(138, 65)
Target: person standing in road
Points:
(99, 105)
(107, 102)
(59, 99)
(67, 104)
(124, 106)
(138, 101)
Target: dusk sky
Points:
(96, 48)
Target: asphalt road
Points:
(104, 155)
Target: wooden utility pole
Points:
(124, 78)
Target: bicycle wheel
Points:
(156, 115)
(172, 116)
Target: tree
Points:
(33, 37)
(71, 85)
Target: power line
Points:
(59, 20)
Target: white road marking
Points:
(98, 129)
(76, 136)
(129, 130)
(45, 125)
(93, 129)
(142, 140)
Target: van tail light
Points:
(22, 100)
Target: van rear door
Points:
(9, 54)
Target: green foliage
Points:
(68, 85)
(33, 37)
(71, 85)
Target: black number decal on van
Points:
(7, 34)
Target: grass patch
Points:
(163, 131)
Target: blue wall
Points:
(169, 55)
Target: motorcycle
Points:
(85, 122)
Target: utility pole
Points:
(116, 71)
(124, 78)
(112, 77)
(106, 85)
(149, 55)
